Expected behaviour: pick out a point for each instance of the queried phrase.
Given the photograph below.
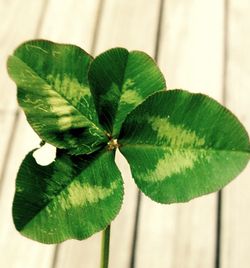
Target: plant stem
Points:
(105, 248)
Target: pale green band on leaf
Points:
(54, 93)
(120, 81)
(181, 145)
(74, 197)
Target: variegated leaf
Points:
(54, 93)
(181, 145)
(73, 197)
(120, 81)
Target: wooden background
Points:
(201, 46)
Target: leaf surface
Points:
(181, 145)
(74, 197)
(54, 93)
(120, 81)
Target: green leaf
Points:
(181, 145)
(73, 197)
(54, 93)
(120, 81)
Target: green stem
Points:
(105, 248)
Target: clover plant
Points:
(179, 145)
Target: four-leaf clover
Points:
(179, 145)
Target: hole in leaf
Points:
(45, 155)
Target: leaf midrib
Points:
(183, 148)
(120, 88)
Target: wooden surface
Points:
(202, 46)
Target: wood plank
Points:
(117, 18)
(7, 119)
(78, 31)
(57, 25)
(235, 245)
(127, 24)
(183, 235)
(19, 22)
(71, 22)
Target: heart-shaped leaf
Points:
(73, 197)
(53, 90)
(120, 81)
(181, 145)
